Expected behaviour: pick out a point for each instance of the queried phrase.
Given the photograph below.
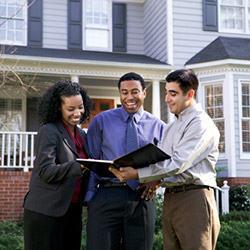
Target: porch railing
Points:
(17, 150)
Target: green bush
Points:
(11, 235)
(158, 241)
(235, 216)
(239, 199)
(159, 198)
(234, 235)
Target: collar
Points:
(188, 110)
(138, 115)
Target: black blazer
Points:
(55, 171)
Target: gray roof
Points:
(80, 55)
(223, 48)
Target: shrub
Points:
(158, 241)
(159, 198)
(235, 216)
(11, 236)
(234, 235)
(238, 198)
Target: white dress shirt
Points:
(192, 142)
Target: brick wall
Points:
(236, 181)
(13, 187)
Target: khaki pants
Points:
(190, 220)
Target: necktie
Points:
(132, 144)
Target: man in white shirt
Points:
(190, 218)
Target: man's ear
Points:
(190, 94)
(145, 92)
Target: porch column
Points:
(74, 78)
(156, 99)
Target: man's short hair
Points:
(132, 76)
(186, 79)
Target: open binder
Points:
(139, 158)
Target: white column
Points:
(74, 78)
(229, 121)
(156, 99)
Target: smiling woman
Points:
(53, 205)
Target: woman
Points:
(53, 205)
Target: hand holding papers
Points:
(141, 157)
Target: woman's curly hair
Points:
(48, 105)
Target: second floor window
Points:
(13, 22)
(214, 108)
(97, 24)
(234, 16)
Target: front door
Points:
(98, 106)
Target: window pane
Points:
(246, 136)
(97, 38)
(10, 24)
(2, 10)
(10, 35)
(19, 36)
(104, 106)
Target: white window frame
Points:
(109, 48)
(222, 155)
(243, 155)
(25, 18)
(245, 19)
(9, 102)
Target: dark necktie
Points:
(132, 144)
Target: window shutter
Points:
(75, 24)
(210, 15)
(35, 23)
(119, 27)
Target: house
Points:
(94, 42)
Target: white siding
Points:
(135, 31)
(55, 24)
(155, 28)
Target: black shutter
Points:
(75, 24)
(35, 23)
(119, 27)
(210, 15)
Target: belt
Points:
(113, 184)
(183, 188)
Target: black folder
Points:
(139, 158)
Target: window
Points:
(10, 114)
(245, 117)
(235, 16)
(13, 22)
(97, 24)
(214, 108)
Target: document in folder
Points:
(139, 158)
